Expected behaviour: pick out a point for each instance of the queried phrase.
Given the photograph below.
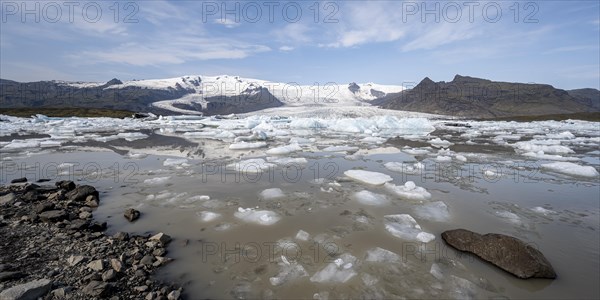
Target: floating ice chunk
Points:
(208, 216)
(563, 135)
(489, 173)
(283, 150)
(261, 217)
(169, 162)
(416, 151)
(245, 145)
(435, 211)
(369, 198)
(288, 161)
(405, 227)
(436, 271)
(156, 180)
(288, 272)
(460, 158)
(368, 177)
(302, 235)
(439, 143)
(273, 193)
(571, 169)
(442, 158)
(543, 211)
(374, 140)
(368, 279)
(339, 271)
(382, 256)
(132, 136)
(509, 216)
(137, 155)
(404, 167)
(340, 149)
(536, 146)
(409, 191)
(254, 165)
(541, 155)
(21, 144)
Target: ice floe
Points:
(369, 198)
(381, 255)
(247, 145)
(283, 150)
(261, 217)
(288, 272)
(406, 227)
(368, 177)
(272, 193)
(435, 211)
(571, 169)
(409, 191)
(208, 216)
(157, 180)
(302, 235)
(338, 271)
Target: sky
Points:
(305, 42)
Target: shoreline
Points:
(51, 247)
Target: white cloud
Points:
(294, 33)
(229, 23)
(286, 48)
(177, 50)
(442, 34)
(572, 49)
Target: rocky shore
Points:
(51, 247)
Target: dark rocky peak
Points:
(353, 87)
(113, 82)
(426, 83)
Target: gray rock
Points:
(96, 265)
(81, 193)
(109, 275)
(98, 289)
(85, 215)
(19, 180)
(53, 215)
(66, 185)
(132, 214)
(44, 206)
(7, 199)
(27, 291)
(75, 259)
(162, 238)
(174, 295)
(6, 276)
(79, 224)
(503, 251)
(121, 236)
(116, 264)
(147, 260)
(91, 201)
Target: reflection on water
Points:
(326, 243)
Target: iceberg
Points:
(571, 169)
(260, 217)
(368, 177)
(406, 227)
(409, 191)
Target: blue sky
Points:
(387, 42)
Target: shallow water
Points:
(485, 179)
(230, 258)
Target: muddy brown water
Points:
(229, 258)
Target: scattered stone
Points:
(79, 224)
(42, 180)
(96, 265)
(147, 260)
(31, 196)
(159, 252)
(98, 289)
(30, 290)
(53, 215)
(81, 193)
(85, 215)
(7, 199)
(141, 289)
(97, 226)
(503, 251)
(116, 264)
(19, 180)
(6, 276)
(174, 295)
(121, 236)
(109, 275)
(66, 185)
(132, 214)
(44, 206)
(162, 238)
(74, 260)
(91, 201)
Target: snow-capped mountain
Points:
(204, 89)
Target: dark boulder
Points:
(19, 180)
(53, 215)
(131, 214)
(81, 193)
(65, 185)
(503, 251)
